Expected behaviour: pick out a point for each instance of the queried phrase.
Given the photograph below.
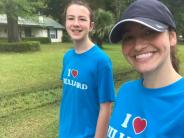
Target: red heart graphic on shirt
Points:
(74, 73)
(139, 125)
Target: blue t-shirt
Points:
(87, 82)
(141, 112)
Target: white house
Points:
(42, 27)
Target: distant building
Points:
(42, 27)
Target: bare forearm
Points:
(103, 121)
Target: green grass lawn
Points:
(181, 58)
(24, 72)
(41, 122)
(30, 90)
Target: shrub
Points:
(42, 40)
(19, 46)
(3, 40)
(66, 37)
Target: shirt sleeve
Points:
(106, 91)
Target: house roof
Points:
(42, 21)
(49, 22)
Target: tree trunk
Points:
(13, 29)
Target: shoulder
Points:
(177, 87)
(68, 53)
(130, 84)
(101, 56)
(101, 52)
(126, 90)
(67, 56)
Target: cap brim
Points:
(116, 32)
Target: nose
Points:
(76, 22)
(139, 43)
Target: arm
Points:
(103, 120)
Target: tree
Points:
(177, 9)
(55, 8)
(103, 24)
(118, 6)
(15, 8)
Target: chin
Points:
(76, 38)
(144, 70)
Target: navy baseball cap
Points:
(150, 13)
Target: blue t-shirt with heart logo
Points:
(141, 112)
(87, 81)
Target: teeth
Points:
(143, 56)
(76, 31)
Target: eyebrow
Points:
(74, 16)
(69, 15)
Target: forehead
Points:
(76, 9)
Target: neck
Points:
(83, 46)
(161, 77)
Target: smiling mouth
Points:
(76, 31)
(143, 56)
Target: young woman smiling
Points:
(88, 88)
(152, 106)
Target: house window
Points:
(53, 33)
(5, 30)
(27, 32)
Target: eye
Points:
(83, 19)
(70, 18)
(127, 38)
(150, 33)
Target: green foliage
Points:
(42, 40)
(19, 46)
(180, 55)
(118, 6)
(177, 9)
(66, 37)
(103, 23)
(18, 8)
(55, 8)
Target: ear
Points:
(91, 26)
(172, 38)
